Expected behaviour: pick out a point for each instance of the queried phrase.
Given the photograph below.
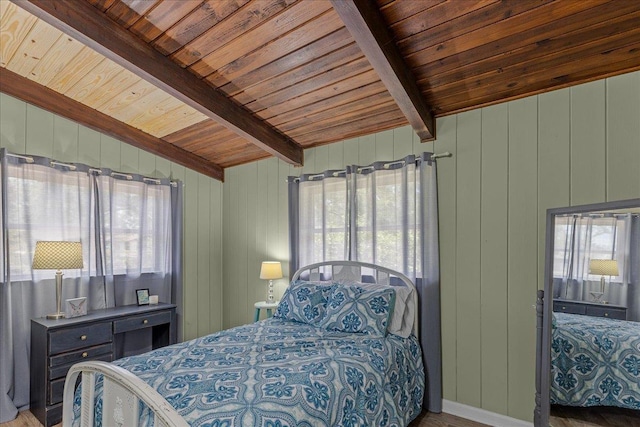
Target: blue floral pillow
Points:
(359, 310)
(304, 302)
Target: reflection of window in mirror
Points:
(586, 248)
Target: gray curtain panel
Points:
(385, 213)
(126, 225)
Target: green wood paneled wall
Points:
(28, 129)
(511, 163)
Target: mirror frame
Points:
(544, 305)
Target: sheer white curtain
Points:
(581, 238)
(386, 214)
(125, 227)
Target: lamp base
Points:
(55, 316)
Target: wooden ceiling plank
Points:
(100, 76)
(129, 96)
(320, 81)
(395, 11)
(367, 26)
(85, 61)
(15, 85)
(313, 30)
(433, 16)
(375, 124)
(162, 17)
(585, 25)
(253, 39)
(196, 23)
(611, 62)
(314, 51)
(543, 62)
(330, 102)
(327, 92)
(102, 5)
(85, 23)
(33, 47)
(126, 13)
(110, 90)
(345, 111)
(15, 24)
(464, 24)
(246, 18)
(296, 75)
(359, 117)
(514, 24)
(165, 124)
(63, 51)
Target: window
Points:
(581, 239)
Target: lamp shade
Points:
(603, 267)
(57, 256)
(271, 270)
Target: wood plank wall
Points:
(28, 129)
(511, 162)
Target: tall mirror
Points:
(589, 317)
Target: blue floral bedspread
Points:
(595, 361)
(277, 373)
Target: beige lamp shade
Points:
(57, 256)
(603, 267)
(271, 270)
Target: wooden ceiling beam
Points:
(85, 23)
(367, 26)
(20, 87)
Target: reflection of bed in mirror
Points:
(595, 361)
(589, 326)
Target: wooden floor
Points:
(426, 419)
(605, 416)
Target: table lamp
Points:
(602, 267)
(271, 270)
(57, 256)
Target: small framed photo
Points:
(75, 307)
(143, 296)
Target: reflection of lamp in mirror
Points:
(602, 267)
(271, 270)
(57, 256)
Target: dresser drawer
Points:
(56, 388)
(612, 313)
(59, 365)
(79, 337)
(139, 322)
(567, 307)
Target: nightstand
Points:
(269, 306)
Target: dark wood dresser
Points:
(590, 309)
(100, 335)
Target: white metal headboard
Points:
(351, 271)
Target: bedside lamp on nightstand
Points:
(270, 271)
(602, 267)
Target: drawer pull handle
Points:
(85, 354)
(145, 321)
(564, 308)
(83, 337)
(606, 315)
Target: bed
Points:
(326, 358)
(595, 361)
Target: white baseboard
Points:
(481, 415)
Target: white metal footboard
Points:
(122, 392)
